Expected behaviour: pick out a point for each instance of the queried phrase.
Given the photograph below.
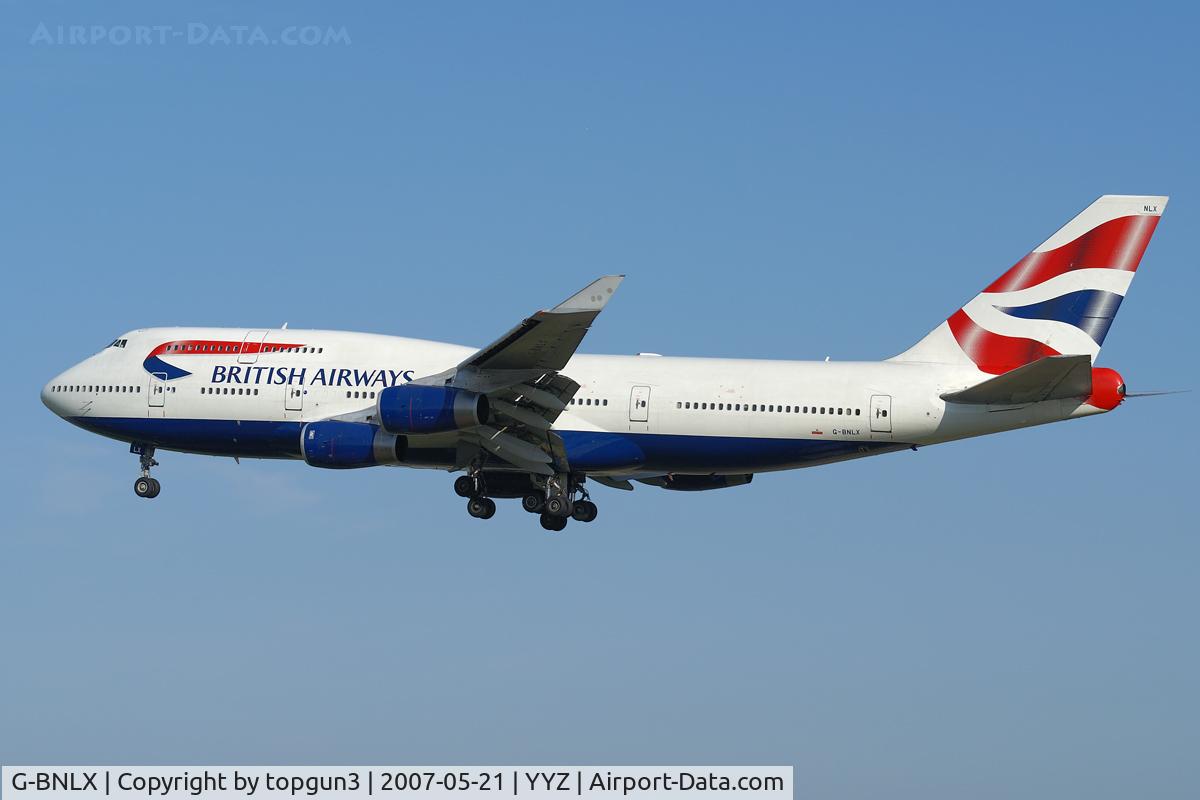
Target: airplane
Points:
(528, 418)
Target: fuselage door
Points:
(156, 395)
(293, 399)
(251, 345)
(881, 413)
(639, 404)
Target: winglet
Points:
(592, 297)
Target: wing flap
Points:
(1049, 378)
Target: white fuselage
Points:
(246, 393)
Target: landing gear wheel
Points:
(155, 488)
(145, 487)
(481, 507)
(533, 503)
(584, 511)
(464, 486)
(553, 523)
(558, 506)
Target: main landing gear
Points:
(145, 486)
(479, 505)
(559, 504)
(553, 500)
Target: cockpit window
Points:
(118, 342)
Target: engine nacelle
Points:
(413, 409)
(348, 445)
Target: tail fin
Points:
(1058, 300)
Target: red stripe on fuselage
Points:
(1116, 244)
(209, 347)
(992, 352)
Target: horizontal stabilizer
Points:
(1050, 378)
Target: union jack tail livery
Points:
(1058, 300)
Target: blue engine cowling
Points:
(416, 409)
(347, 445)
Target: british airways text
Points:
(246, 376)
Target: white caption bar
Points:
(390, 783)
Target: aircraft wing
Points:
(548, 339)
(519, 372)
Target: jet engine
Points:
(347, 445)
(413, 409)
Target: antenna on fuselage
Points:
(284, 328)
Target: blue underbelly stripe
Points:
(226, 437)
(587, 451)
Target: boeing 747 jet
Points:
(527, 417)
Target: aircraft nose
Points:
(50, 396)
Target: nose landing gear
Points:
(145, 486)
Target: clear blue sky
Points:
(1009, 617)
